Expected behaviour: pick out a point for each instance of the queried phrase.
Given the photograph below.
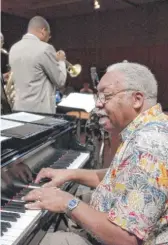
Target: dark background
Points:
(103, 38)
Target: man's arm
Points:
(55, 70)
(90, 178)
(98, 225)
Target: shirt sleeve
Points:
(55, 70)
(142, 185)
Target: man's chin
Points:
(105, 123)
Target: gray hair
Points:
(38, 22)
(138, 77)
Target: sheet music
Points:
(23, 117)
(5, 124)
(79, 101)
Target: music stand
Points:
(79, 105)
(5, 106)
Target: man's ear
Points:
(138, 100)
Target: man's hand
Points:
(60, 55)
(6, 76)
(58, 176)
(52, 199)
(21, 171)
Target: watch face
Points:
(72, 204)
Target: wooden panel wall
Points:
(138, 35)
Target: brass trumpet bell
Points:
(73, 70)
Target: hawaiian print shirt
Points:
(134, 191)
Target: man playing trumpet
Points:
(37, 69)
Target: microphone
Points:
(94, 76)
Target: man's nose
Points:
(99, 104)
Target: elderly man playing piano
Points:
(130, 203)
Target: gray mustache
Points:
(100, 113)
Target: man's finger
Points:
(49, 184)
(32, 196)
(35, 205)
(44, 173)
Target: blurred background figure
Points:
(86, 89)
(4, 59)
(37, 76)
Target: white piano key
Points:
(27, 212)
(26, 220)
(9, 238)
(4, 242)
(80, 161)
(21, 226)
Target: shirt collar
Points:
(30, 34)
(140, 120)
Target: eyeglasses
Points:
(105, 97)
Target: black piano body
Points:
(21, 160)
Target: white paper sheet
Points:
(79, 101)
(5, 124)
(23, 117)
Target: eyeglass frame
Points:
(107, 95)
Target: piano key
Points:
(79, 161)
(20, 228)
(13, 208)
(32, 213)
(27, 219)
(9, 238)
(8, 218)
(6, 224)
(16, 204)
(10, 214)
(17, 200)
(4, 242)
(3, 228)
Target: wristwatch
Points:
(72, 204)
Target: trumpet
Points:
(73, 70)
(9, 87)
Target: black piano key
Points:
(60, 166)
(10, 214)
(8, 218)
(14, 209)
(6, 224)
(25, 191)
(17, 200)
(63, 163)
(16, 204)
(3, 229)
(1, 233)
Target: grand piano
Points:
(21, 160)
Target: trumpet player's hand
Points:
(6, 76)
(60, 55)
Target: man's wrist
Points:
(72, 175)
(71, 205)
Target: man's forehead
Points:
(110, 79)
